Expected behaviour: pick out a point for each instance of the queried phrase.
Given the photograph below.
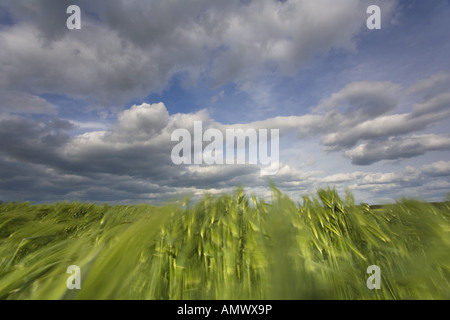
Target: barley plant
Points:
(227, 247)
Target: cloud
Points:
(140, 123)
(363, 100)
(343, 177)
(420, 182)
(95, 65)
(397, 148)
(138, 145)
(434, 108)
(358, 125)
(118, 164)
(282, 35)
(131, 155)
(437, 169)
(34, 142)
(141, 135)
(361, 111)
(129, 49)
(24, 103)
(47, 16)
(360, 120)
(436, 82)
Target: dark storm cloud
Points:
(36, 142)
(39, 183)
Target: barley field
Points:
(227, 247)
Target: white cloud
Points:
(282, 35)
(343, 177)
(88, 125)
(440, 168)
(140, 123)
(384, 187)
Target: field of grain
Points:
(227, 247)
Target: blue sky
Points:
(88, 114)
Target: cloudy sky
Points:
(88, 114)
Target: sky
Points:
(87, 114)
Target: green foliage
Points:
(229, 247)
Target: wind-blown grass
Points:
(229, 247)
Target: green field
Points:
(227, 247)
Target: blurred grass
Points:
(227, 247)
